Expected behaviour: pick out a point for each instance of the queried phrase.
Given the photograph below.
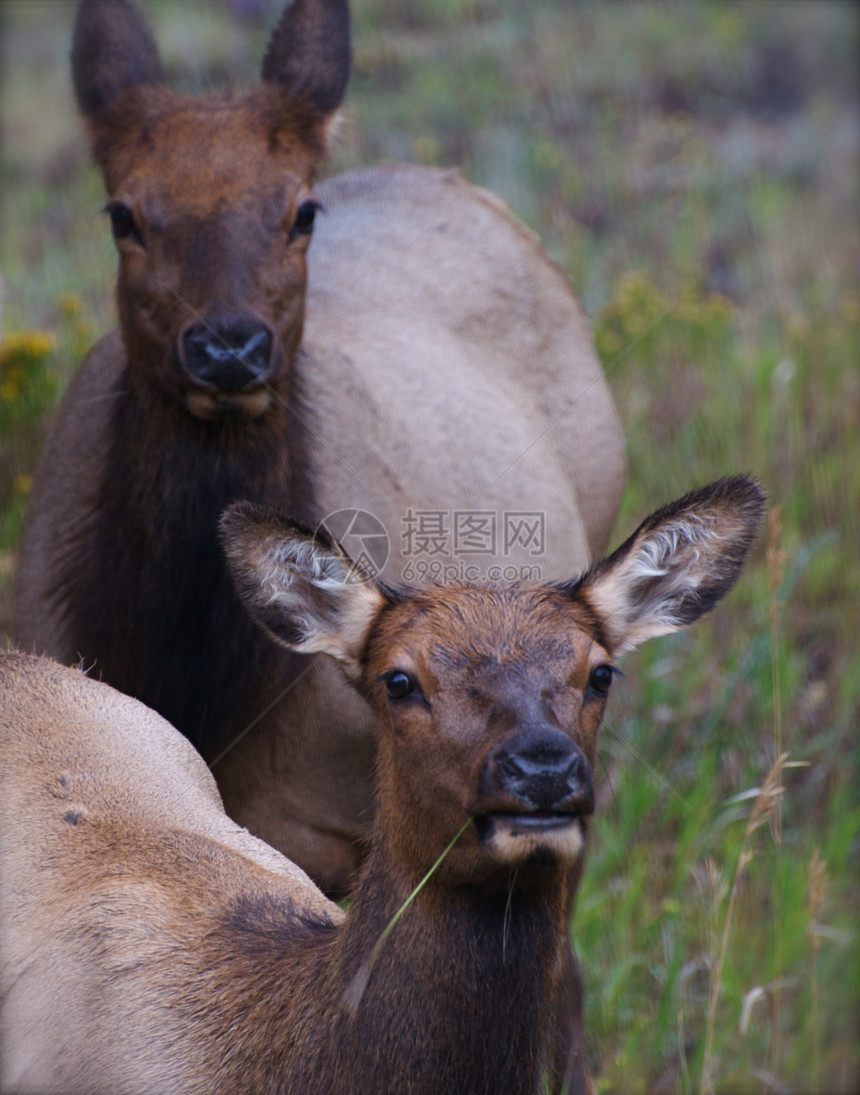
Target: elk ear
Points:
(677, 565)
(308, 58)
(299, 585)
(113, 51)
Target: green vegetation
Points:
(694, 168)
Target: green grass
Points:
(694, 168)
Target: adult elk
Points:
(435, 360)
(152, 946)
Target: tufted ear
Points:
(113, 52)
(677, 565)
(308, 61)
(299, 585)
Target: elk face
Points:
(212, 227)
(489, 699)
(211, 202)
(489, 702)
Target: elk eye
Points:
(399, 685)
(601, 679)
(123, 223)
(303, 225)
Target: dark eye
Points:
(122, 222)
(601, 679)
(399, 685)
(303, 225)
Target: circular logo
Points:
(363, 537)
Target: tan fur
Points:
(440, 345)
(99, 798)
(150, 945)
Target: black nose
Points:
(228, 354)
(544, 769)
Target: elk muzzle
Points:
(535, 791)
(228, 355)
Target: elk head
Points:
(211, 201)
(489, 698)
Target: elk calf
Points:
(406, 361)
(151, 946)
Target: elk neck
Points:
(454, 998)
(167, 478)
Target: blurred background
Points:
(694, 168)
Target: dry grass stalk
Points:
(818, 886)
(776, 559)
(355, 990)
(762, 812)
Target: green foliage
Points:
(690, 166)
(31, 380)
(27, 384)
(28, 388)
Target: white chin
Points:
(211, 405)
(510, 842)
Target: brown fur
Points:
(422, 346)
(150, 945)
